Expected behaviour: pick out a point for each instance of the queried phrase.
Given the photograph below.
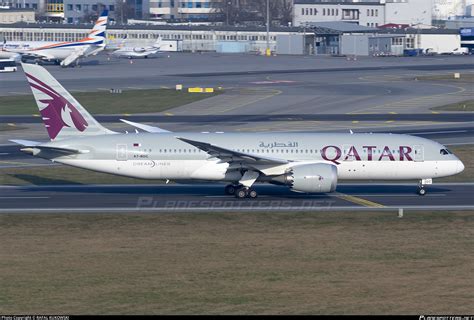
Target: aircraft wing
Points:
(76, 54)
(228, 155)
(93, 50)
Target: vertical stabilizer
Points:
(97, 34)
(157, 44)
(63, 116)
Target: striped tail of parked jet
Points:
(63, 53)
(304, 162)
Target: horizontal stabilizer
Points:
(145, 127)
(26, 143)
(34, 150)
(35, 147)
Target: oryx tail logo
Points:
(59, 112)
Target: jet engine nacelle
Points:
(312, 178)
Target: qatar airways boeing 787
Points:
(305, 162)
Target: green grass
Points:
(103, 102)
(467, 105)
(60, 174)
(10, 127)
(237, 263)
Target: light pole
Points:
(304, 39)
(418, 33)
(267, 51)
(121, 12)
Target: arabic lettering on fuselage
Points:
(290, 144)
(336, 154)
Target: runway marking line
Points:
(360, 201)
(24, 197)
(275, 92)
(15, 162)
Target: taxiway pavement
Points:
(142, 198)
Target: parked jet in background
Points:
(305, 162)
(64, 53)
(138, 52)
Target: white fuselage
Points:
(215, 171)
(46, 50)
(357, 157)
(130, 52)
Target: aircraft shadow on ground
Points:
(388, 189)
(40, 181)
(218, 190)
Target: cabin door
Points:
(418, 154)
(121, 154)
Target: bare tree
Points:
(230, 11)
(122, 11)
(239, 11)
(89, 17)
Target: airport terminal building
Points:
(326, 38)
(371, 13)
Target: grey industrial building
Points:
(327, 38)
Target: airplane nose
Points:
(460, 166)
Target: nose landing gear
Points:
(421, 191)
(421, 186)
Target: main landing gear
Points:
(240, 191)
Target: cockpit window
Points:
(444, 151)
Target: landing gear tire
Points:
(422, 191)
(241, 193)
(252, 194)
(230, 189)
